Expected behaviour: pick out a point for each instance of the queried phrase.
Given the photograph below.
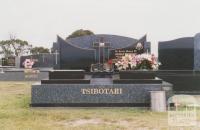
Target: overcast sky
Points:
(39, 21)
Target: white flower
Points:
(131, 61)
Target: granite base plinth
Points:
(65, 81)
(88, 95)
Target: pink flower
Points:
(28, 63)
(131, 61)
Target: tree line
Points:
(17, 47)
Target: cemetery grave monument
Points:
(100, 70)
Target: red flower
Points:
(110, 62)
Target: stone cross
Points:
(56, 53)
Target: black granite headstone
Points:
(66, 81)
(66, 74)
(134, 74)
(177, 54)
(82, 52)
(137, 81)
(66, 77)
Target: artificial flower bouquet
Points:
(138, 62)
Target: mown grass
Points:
(15, 114)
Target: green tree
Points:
(14, 47)
(79, 33)
(37, 50)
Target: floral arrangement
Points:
(28, 63)
(135, 62)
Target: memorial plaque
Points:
(120, 53)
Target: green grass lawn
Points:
(15, 114)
